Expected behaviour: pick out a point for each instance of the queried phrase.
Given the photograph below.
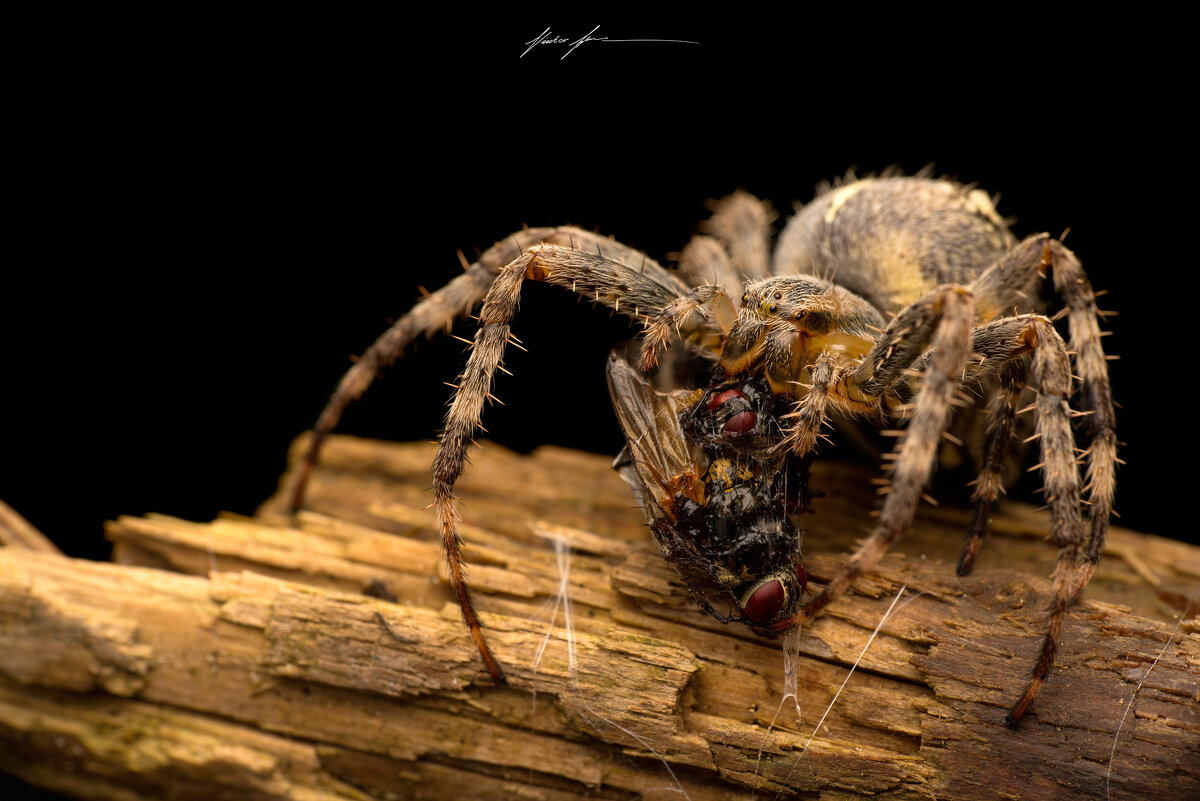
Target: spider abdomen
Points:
(892, 240)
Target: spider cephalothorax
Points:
(879, 299)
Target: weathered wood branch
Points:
(279, 668)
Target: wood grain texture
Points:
(262, 658)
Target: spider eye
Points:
(778, 296)
(745, 297)
(772, 309)
(800, 315)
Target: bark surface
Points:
(322, 656)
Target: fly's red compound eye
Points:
(740, 423)
(718, 401)
(802, 574)
(764, 603)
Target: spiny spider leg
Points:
(1005, 340)
(1092, 368)
(704, 260)
(733, 249)
(946, 315)
(1006, 284)
(639, 291)
(1002, 419)
(437, 312)
(910, 333)
(999, 342)
(743, 223)
(810, 411)
(1011, 282)
(701, 299)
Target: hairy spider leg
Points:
(705, 260)
(1092, 367)
(1008, 284)
(708, 300)
(999, 342)
(989, 484)
(436, 312)
(743, 223)
(733, 249)
(638, 288)
(1006, 340)
(946, 317)
(810, 412)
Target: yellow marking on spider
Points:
(840, 196)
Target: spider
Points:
(880, 299)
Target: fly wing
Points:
(661, 462)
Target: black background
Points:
(214, 214)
